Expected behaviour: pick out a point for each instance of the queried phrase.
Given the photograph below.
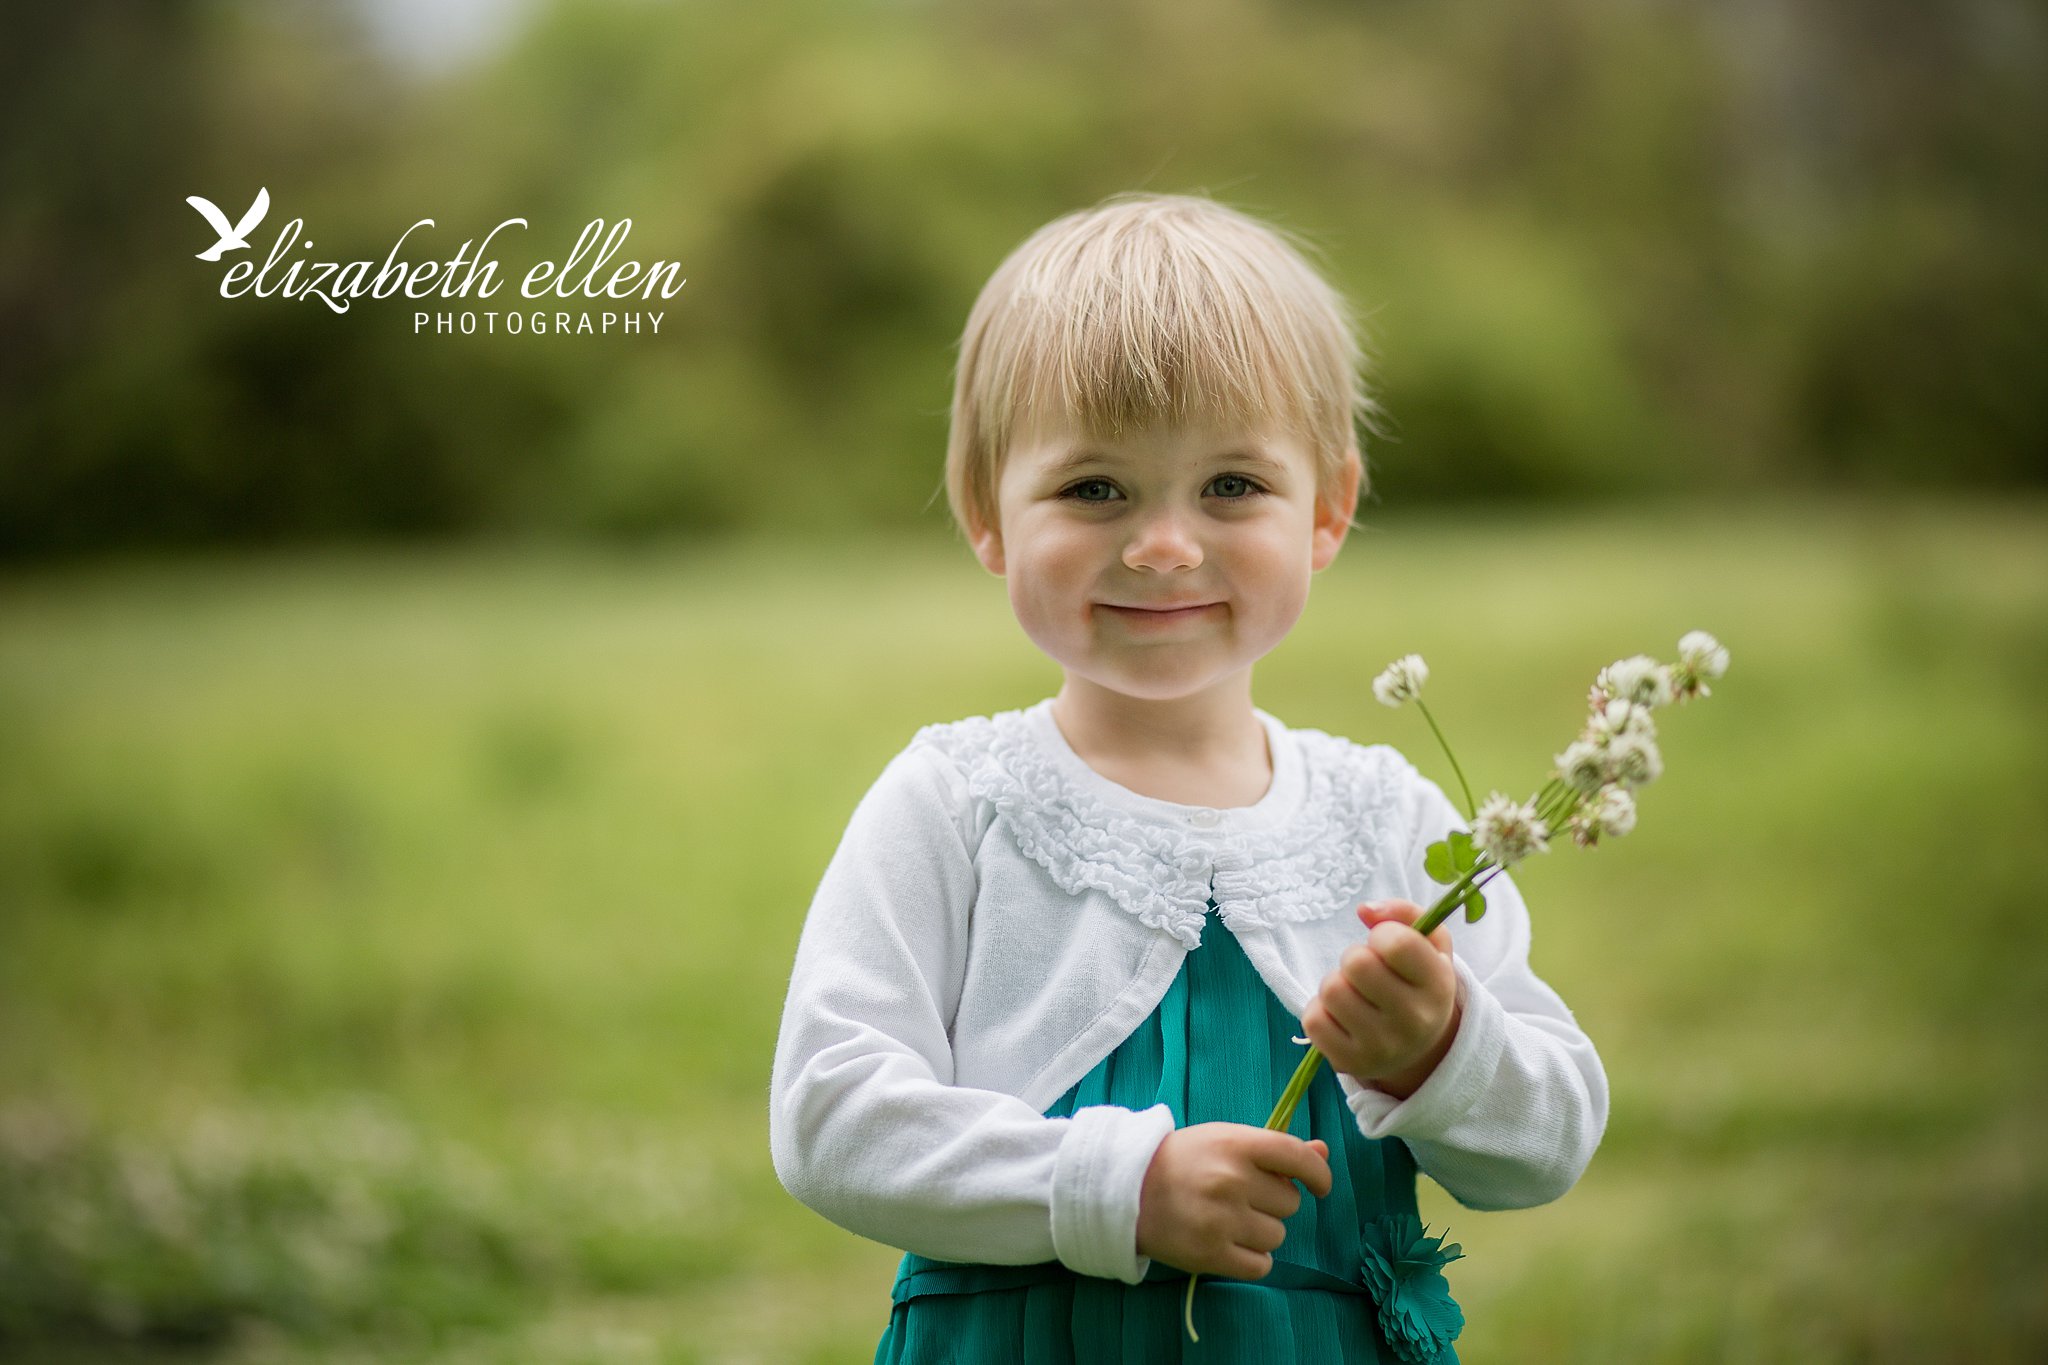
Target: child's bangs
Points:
(1166, 341)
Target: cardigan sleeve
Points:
(864, 1124)
(1512, 1114)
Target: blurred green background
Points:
(417, 753)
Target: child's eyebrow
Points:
(1255, 459)
(1078, 458)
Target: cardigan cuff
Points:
(1458, 1082)
(1097, 1177)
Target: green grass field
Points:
(392, 944)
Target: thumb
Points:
(1403, 912)
(1394, 911)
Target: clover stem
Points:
(1297, 1086)
(1471, 810)
(1453, 897)
(1479, 876)
(1559, 807)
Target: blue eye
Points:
(1250, 488)
(1075, 491)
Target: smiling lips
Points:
(1149, 616)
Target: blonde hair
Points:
(1150, 308)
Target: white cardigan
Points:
(999, 916)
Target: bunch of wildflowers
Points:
(1590, 795)
(1591, 792)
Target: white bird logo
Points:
(231, 238)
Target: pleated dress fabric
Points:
(1218, 1047)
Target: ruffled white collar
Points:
(1303, 851)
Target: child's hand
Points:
(1387, 1015)
(1215, 1193)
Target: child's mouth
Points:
(1147, 617)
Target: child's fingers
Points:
(1263, 1232)
(1408, 955)
(1321, 1151)
(1400, 1010)
(1329, 1033)
(1371, 977)
(1286, 1155)
(1242, 1263)
(1375, 913)
(1345, 1006)
(1274, 1194)
(1320, 1018)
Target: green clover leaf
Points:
(1449, 858)
(1436, 861)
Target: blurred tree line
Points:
(1603, 247)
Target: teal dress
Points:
(1195, 1055)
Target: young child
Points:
(1059, 969)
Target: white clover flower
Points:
(1620, 717)
(1638, 678)
(1611, 722)
(1507, 830)
(1617, 814)
(1633, 760)
(1401, 681)
(1700, 657)
(1703, 652)
(1583, 765)
(1611, 812)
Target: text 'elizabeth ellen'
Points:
(466, 274)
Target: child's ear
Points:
(988, 547)
(1334, 506)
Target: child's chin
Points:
(1161, 687)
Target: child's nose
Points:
(1162, 541)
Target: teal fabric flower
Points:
(1404, 1269)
